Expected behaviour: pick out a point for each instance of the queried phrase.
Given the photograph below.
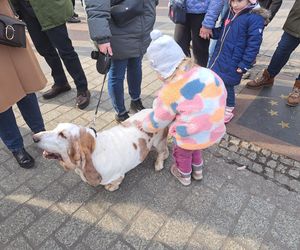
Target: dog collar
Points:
(94, 131)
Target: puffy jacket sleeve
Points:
(212, 13)
(255, 35)
(161, 116)
(98, 15)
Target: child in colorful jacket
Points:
(239, 40)
(191, 102)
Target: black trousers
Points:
(184, 34)
(54, 44)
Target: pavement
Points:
(249, 197)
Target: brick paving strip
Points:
(249, 197)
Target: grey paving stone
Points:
(157, 246)
(231, 199)
(243, 151)
(256, 168)
(269, 172)
(42, 201)
(98, 205)
(272, 164)
(266, 152)
(143, 228)
(295, 185)
(44, 178)
(134, 202)
(282, 179)
(120, 245)
(69, 233)
(252, 156)
(286, 160)
(16, 179)
(42, 228)
(199, 202)
(281, 168)
(250, 229)
(76, 197)
(294, 173)
(261, 206)
(268, 245)
(167, 201)
(177, 230)
(15, 199)
(3, 171)
(4, 156)
(15, 224)
(233, 245)
(262, 159)
(105, 232)
(286, 230)
(274, 156)
(18, 244)
(212, 233)
(70, 179)
(213, 181)
(50, 244)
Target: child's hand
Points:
(205, 33)
(239, 70)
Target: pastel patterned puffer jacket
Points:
(193, 106)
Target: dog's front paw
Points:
(111, 187)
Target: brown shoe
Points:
(264, 81)
(56, 90)
(83, 99)
(294, 97)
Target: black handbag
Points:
(177, 11)
(125, 11)
(12, 32)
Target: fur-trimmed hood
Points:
(266, 14)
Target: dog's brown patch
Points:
(144, 150)
(134, 145)
(87, 145)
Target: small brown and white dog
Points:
(105, 157)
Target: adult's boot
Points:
(294, 97)
(264, 81)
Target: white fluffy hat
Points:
(164, 53)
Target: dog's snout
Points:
(35, 138)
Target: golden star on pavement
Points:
(273, 113)
(282, 96)
(284, 124)
(273, 102)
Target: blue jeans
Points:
(116, 81)
(9, 131)
(48, 42)
(286, 46)
(230, 101)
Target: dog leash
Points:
(102, 66)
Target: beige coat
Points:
(20, 73)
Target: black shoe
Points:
(73, 19)
(83, 99)
(136, 106)
(56, 90)
(23, 158)
(75, 14)
(121, 118)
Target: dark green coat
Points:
(292, 23)
(50, 13)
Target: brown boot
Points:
(264, 81)
(294, 97)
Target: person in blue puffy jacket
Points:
(239, 40)
(201, 16)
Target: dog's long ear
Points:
(87, 144)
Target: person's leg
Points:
(31, 113)
(134, 80)
(286, 46)
(60, 39)
(230, 103)
(116, 77)
(44, 46)
(182, 36)
(9, 131)
(197, 165)
(200, 45)
(182, 168)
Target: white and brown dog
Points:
(103, 158)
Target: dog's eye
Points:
(61, 134)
